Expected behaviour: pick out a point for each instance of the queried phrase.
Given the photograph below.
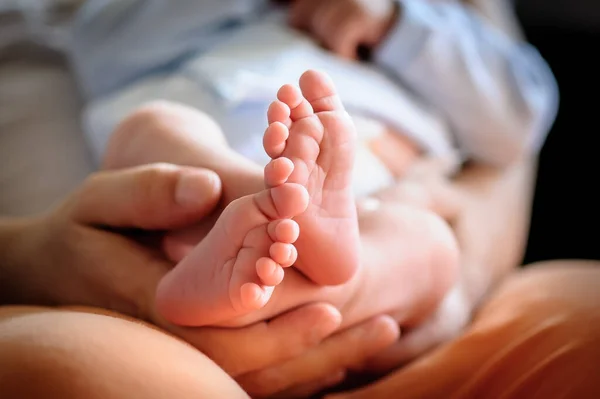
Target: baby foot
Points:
(232, 272)
(311, 128)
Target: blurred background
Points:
(44, 153)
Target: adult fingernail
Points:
(383, 329)
(193, 188)
(334, 379)
(329, 323)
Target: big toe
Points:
(290, 199)
(253, 296)
(318, 89)
(283, 202)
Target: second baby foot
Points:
(310, 127)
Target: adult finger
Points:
(302, 12)
(155, 196)
(345, 350)
(242, 350)
(445, 324)
(322, 22)
(347, 38)
(344, 29)
(411, 345)
(311, 389)
(177, 244)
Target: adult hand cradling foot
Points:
(83, 242)
(95, 250)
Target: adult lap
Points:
(538, 331)
(91, 353)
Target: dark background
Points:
(565, 218)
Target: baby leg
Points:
(321, 145)
(174, 133)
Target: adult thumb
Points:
(152, 197)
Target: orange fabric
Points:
(538, 336)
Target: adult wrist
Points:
(15, 255)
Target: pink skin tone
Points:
(392, 258)
(312, 129)
(233, 271)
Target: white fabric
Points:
(236, 82)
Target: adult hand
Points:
(343, 26)
(325, 365)
(425, 188)
(451, 317)
(487, 209)
(90, 245)
(92, 250)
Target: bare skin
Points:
(94, 246)
(521, 343)
(233, 271)
(395, 240)
(342, 26)
(312, 129)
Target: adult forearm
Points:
(493, 222)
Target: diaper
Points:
(370, 174)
